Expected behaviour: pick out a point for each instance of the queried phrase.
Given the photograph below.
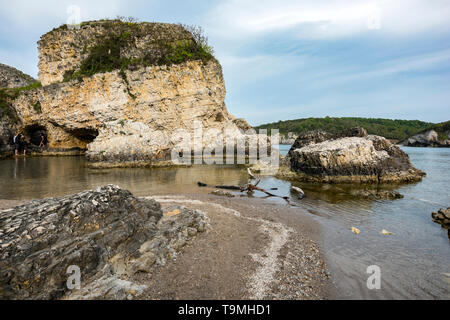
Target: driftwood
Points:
(249, 188)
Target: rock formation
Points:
(12, 78)
(321, 157)
(429, 138)
(11, 82)
(107, 233)
(128, 114)
(289, 138)
(442, 217)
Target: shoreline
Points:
(254, 249)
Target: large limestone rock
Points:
(126, 116)
(100, 115)
(360, 158)
(109, 234)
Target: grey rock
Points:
(428, 138)
(350, 157)
(107, 233)
(12, 78)
(374, 194)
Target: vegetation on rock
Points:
(110, 50)
(388, 128)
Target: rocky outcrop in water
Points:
(108, 233)
(130, 114)
(322, 157)
(428, 138)
(372, 194)
(442, 217)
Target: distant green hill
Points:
(391, 129)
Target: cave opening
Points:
(34, 132)
(84, 134)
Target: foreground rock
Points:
(109, 234)
(350, 157)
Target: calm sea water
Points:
(414, 260)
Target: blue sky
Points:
(288, 59)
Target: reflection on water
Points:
(51, 177)
(413, 260)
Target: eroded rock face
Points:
(321, 157)
(6, 135)
(107, 233)
(100, 115)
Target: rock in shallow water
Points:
(442, 217)
(377, 194)
(360, 158)
(108, 233)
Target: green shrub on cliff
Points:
(108, 52)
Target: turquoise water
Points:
(413, 260)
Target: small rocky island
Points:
(117, 91)
(351, 156)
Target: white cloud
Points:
(332, 18)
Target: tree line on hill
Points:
(388, 128)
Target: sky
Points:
(286, 59)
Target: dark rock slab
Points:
(108, 233)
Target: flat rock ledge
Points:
(351, 157)
(108, 233)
